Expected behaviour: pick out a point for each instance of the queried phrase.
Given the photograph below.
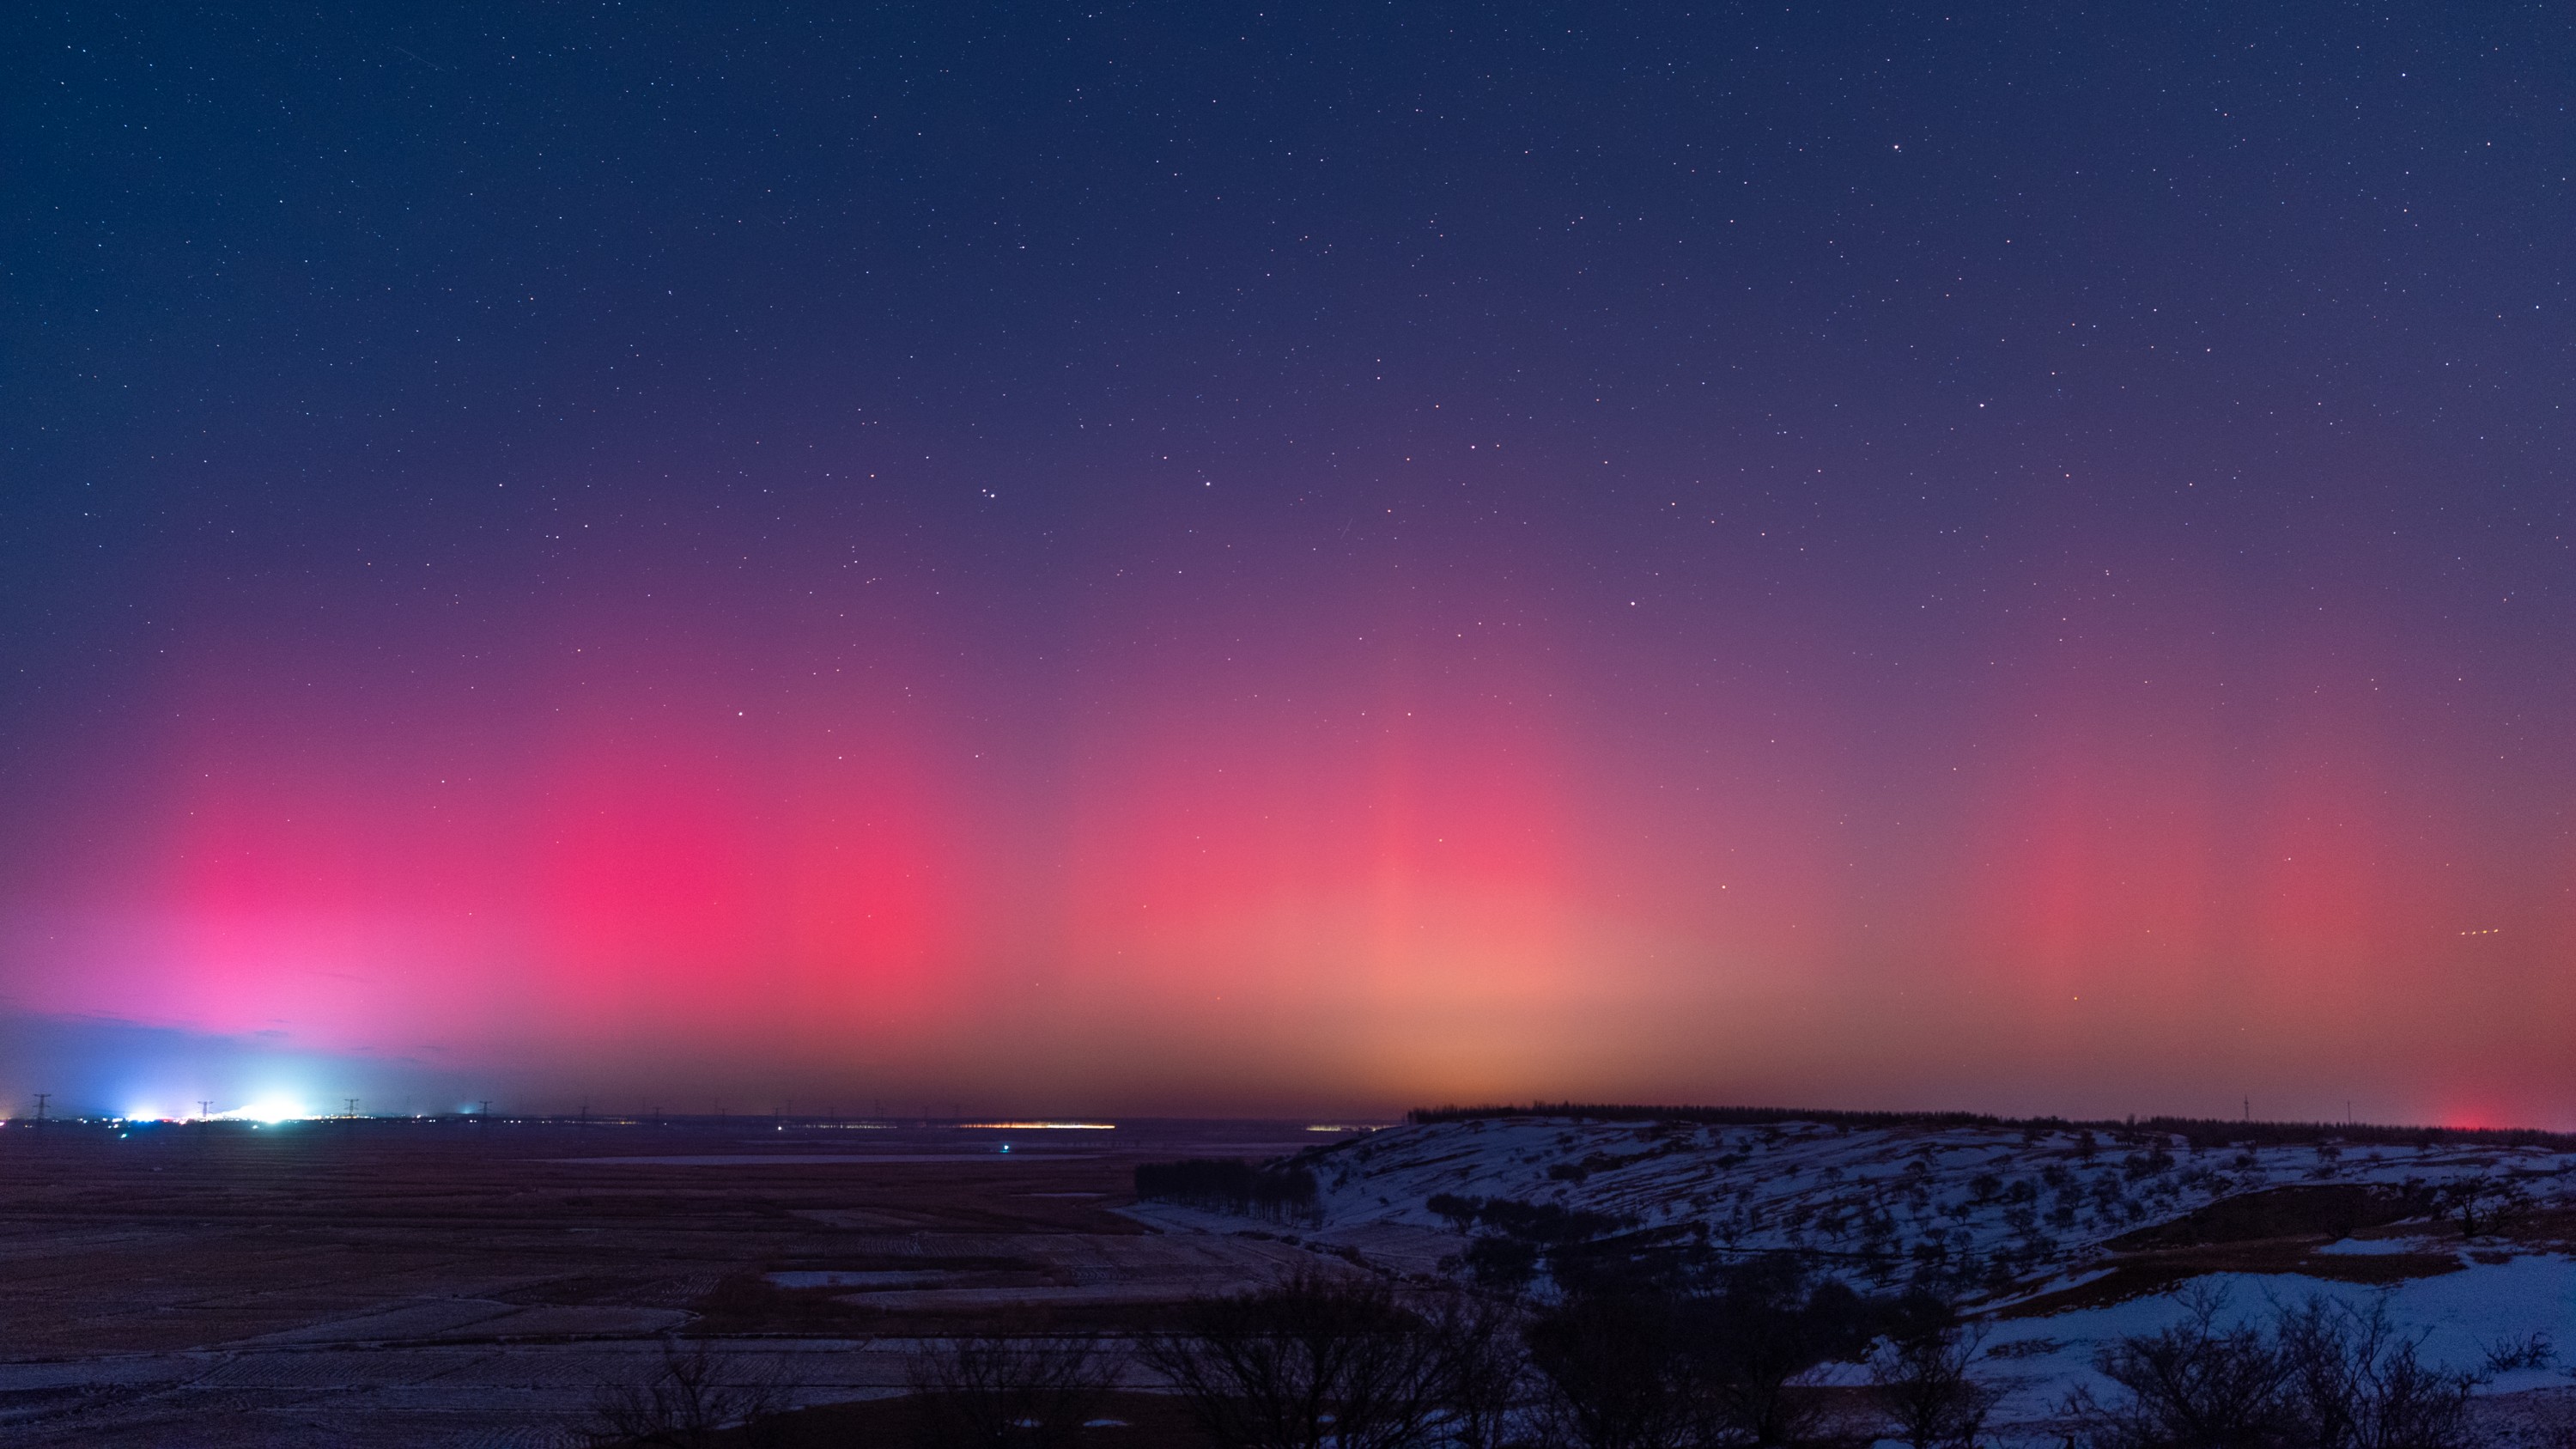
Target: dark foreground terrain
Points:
(1781, 1278)
(458, 1283)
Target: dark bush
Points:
(1306, 1363)
(688, 1400)
(1000, 1390)
(1647, 1369)
(2356, 1383)
(1543, 1222)
(1502, 1263)
(1459, 1212)
(1924, 1378)
(1526, 1231)
(1621, 1373)
(1277, 1193)
(1484, 1371)
(2322, 1377)
(2532, 1351)
(1764, 1330)
(2481, 1204)
(2194, 1386)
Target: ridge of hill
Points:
(2195, 1131)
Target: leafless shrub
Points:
(1717, 1366)
(2508, 1354)
(2192, 1386)
(2324, 1377)
(1927, 1387)
(1483, 1370)
(683, 1402)
(1308, 1362)
(2358, 1384)
(2481, 1204)
(1009, 1390)
(1620, 1374)
(1755, 1346)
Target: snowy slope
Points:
(1879, 1200)
(2456, 1318)
(2026, 1213)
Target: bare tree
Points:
(1927, 1386)
(1308, 1362)
(2357, 1383)
(1619, 1374)
(683, 1402)
(2324, 1376)
(1010, 1390)
(2481, 1204)
(2195, 1385)
(1758, 1337)
(1483, 1370)
(1652, 1367)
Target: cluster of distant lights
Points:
(266, 1112)
(278, 1111)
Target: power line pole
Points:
(41, 1099)
(353, 1105)
(205, 1110)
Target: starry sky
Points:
(1192, 558)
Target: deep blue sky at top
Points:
(343, 249)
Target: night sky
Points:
(1198, 559)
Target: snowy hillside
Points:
(1996, 1206)
(2060, 1242)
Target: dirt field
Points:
(455, 1284)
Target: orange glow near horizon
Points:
(1468, 871)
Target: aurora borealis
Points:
(1166, 559)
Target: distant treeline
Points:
(2199, 1131)
(1279, 1193)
